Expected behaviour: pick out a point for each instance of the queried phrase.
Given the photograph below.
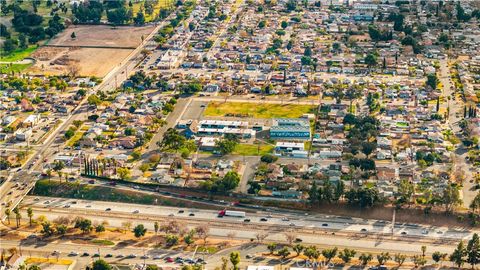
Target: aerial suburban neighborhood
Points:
(239, 134)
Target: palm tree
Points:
(8, 213)
(30, 215)
(18, 216)
(49, 174)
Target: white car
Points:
(72, 253)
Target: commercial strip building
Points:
(290, 128)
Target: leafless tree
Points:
(203, 231)
(126, 226)
(231, 235)
(261, 236)
(290, 237)
(73, 69)
(62, 220)
(170, 227)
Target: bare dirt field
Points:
(114, 45)
(90, 61)
(102, 35)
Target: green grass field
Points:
(257, 110)
(78, 135)
(7, 68)
(253, 149)
(156, 9)
(18, 54)
(103, 242)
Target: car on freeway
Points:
(136, 212)
(285, 219)
(131, 256)
(363, 230)
(85, 254)
(263, 219)
(171, 215)
(91, 181)
(246, 220)
(169, 259)
(96, 255)
(298, 240)
(119, 256)
(144, 257)
(181, 211)
(424, 231)
(191, 214)
(325, 225)
(108, 255)
(292, 224)
(72, 253)
(108, 209)
(157, 257)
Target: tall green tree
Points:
(101, 265)
(473, 251)
(139, 230)
(458, 255)
(235, 259)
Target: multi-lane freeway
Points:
(314, 229)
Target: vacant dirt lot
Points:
(89, 61)
(102, 35)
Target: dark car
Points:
(85, 254)
(246, 220)
(191, 214)
(263, 219)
